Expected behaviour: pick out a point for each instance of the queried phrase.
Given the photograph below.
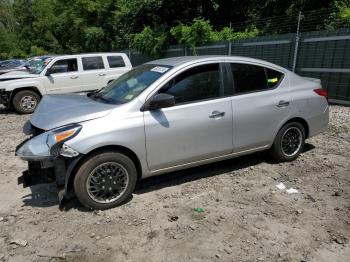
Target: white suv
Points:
(60, 74)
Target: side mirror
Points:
(48, 72)
(161, 101)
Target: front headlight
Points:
(57, 137)
(49, 144)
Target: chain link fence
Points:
(313, 44)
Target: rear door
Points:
(116, 66)
(94, 73)
(198, 127)
(261, 103)
(64, 77)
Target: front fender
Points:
(12, 85)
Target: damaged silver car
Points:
(168, 115)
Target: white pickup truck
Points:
(60, 74)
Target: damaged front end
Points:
(5, 97)
(49, 158)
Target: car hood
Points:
(12, 75)
(58, 110)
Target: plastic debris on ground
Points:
(292, 191)
(281, 186)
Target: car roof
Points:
(181, 60)
(89, 54)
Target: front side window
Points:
(92, 63)
(64, 66)
(130, 84)
(115, 61)
(252, 78)
(196, 84)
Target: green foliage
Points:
(37, 51)
(229, 34)
(198, 33)
(341, 17)
(150, 42)
(343, 10)
(64, 26)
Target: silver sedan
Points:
(168, 115)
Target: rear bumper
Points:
(319, 124)
(5, 97)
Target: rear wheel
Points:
(105, 180)
(26, 101)
(289, 142)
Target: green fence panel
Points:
(322, 54)
(326, 55)
(277, 49)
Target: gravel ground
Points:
(246, 217)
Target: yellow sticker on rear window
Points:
(272, 80)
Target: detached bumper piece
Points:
(5, 97)
(48, 171)
(36, 174)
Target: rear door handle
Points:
(217, 114)
(74, 77)
(283, 103)
(101, 74)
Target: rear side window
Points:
(199, 83)
(92, 63)
(273, 77)
(248, 78)
(64, 66)
(115, 61)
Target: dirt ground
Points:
(246, 217)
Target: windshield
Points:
(36, 65)
(131, 84)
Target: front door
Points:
(198, 127)
(64, 77)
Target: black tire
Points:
(26, 101)
(83, 179)
(280, 152)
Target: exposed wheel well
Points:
(121, 149)
(301, 121)
(31, 88)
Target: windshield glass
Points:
(37, 64)
(131, 84)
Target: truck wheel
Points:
(289, 142)
(26, 101)
(105, 180)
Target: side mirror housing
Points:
(160, 101)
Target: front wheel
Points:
(105, 180)
(25, 101)
(289, 142)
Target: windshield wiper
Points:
(96, 95)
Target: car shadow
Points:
(6, 111)
(209, 170)
(46, 195)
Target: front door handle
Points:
(101, 74)
(217, 114)
(282, 103)
(74, 77)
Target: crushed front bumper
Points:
(5, 97)
(58, 170)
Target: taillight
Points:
(321, 92)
